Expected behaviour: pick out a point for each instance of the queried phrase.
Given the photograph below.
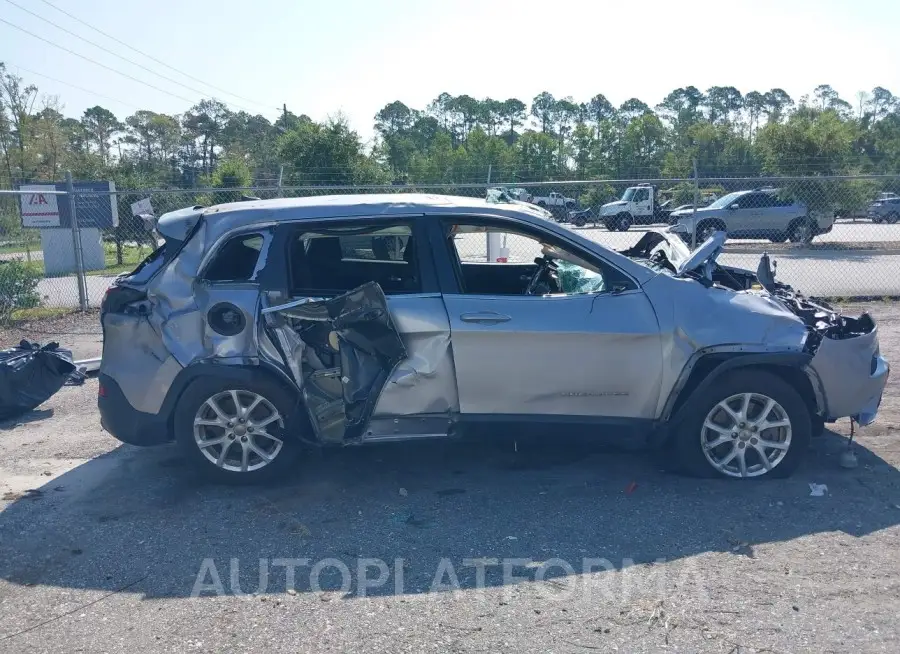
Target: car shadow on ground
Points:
(142, 520)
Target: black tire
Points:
(877, 220)
(685, 446)
(205, 388)
(803, 231)
(542, 204)
(817, 426)
(580, 221)
(623, 222)
(892, 218)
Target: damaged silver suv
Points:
(262, 327)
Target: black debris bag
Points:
(30, 374)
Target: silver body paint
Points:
(599, 355)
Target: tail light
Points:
(117, 298)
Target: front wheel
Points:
(892, 218)
(705, 230)
(749, 424)
(623, 222)
(237, 432)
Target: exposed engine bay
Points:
(822, 321)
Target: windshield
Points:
(726, 200)
(629, 193)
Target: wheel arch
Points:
(239, 372)
(708, 367)
(716, 221)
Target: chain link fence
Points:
(831, 236)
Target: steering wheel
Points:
(544, 266)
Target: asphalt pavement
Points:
(502, 542)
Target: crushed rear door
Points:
(341, 352)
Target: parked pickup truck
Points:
(554, 200)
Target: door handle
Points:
(485, 317)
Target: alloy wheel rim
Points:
(746, 435)
(233, 430)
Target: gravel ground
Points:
(102, 545)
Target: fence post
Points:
(76, 243)
(492, 239)
(694, 210)
(280, 180)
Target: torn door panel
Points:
(350, 347)
(424, 382)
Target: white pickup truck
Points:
(554, 200)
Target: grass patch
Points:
(132, 255)
(20, 248)
(38, 313)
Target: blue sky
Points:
(354, 56)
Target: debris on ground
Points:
(817, 490)
(30, 375)
(404, 492)
(848, 459)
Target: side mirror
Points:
(735, 206)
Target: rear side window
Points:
(337, 260)
(236, 260)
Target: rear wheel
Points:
(237, 432)
(892, 217)
(750, 424)
(580, 221)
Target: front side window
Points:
(335, 260)
(642, 195)
(528, 264)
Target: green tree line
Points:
(456, 139)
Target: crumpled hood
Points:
(704, 256)
(680, 255)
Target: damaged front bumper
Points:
(847, 370)
(850, 374)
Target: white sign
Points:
(39, 207)
(142, 206)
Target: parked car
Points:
(757, 214)
(885, 210)
(581, 217)
(259, 328)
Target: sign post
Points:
(76, 243)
